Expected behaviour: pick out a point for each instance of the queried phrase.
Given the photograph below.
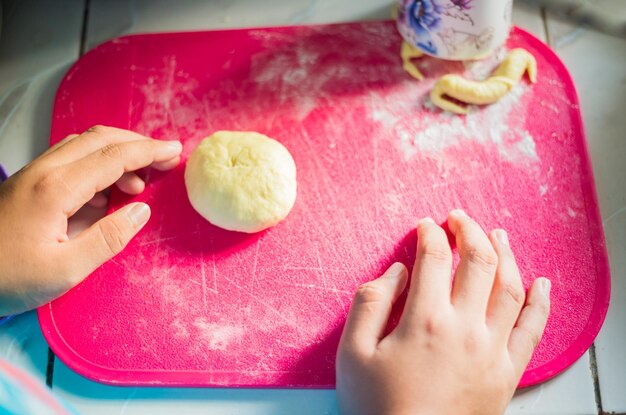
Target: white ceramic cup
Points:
(455, 29)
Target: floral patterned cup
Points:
(455, 29)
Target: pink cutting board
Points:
(189, 304)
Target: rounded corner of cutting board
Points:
(73, 360)
(75, 73)
(90, 54)
(557, 366)
(551, 56)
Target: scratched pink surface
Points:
(189, 304)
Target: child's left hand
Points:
(38, 261)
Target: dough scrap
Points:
(408, 52)
(241, 181)
(505, 77)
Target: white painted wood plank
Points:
(570, 393)
(611, 343)
(529, 18)
(38, 38)
(597, 63)
(607, 16)
(27, 130)
(106, 20)
(37, 35)
(111, 19)
(171, 15)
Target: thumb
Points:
(106, 238)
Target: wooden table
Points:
(40, 39)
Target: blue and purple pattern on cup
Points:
(455, 29)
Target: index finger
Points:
(102, 168)
(75, 147)
(432, 272)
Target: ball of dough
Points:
(241, 181)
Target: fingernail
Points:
(458, 213)
(139, 214)
(395, 270)
(502, 236)
(175, 145)
(545, 285)
(427, 219)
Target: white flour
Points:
(217, 336)
(481, 69)
(420, 127)
(293, 76)
(431, 132)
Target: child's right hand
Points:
(458, 349)
(38, 262)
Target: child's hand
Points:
(38, 262)
(457, 350)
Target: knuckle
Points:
(46, 183)
(43, 185)
(433, 324)
(435, 251)
(470, 344)
(369, 293)
(532, 337)
(112, 151)
(473, 341)
(484, 257)
(113, 235)
(514, 293)
(466, 224)
(543, 307)
(98, 129)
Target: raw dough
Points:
(407, 53)
(505, 77)
(241, 181)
